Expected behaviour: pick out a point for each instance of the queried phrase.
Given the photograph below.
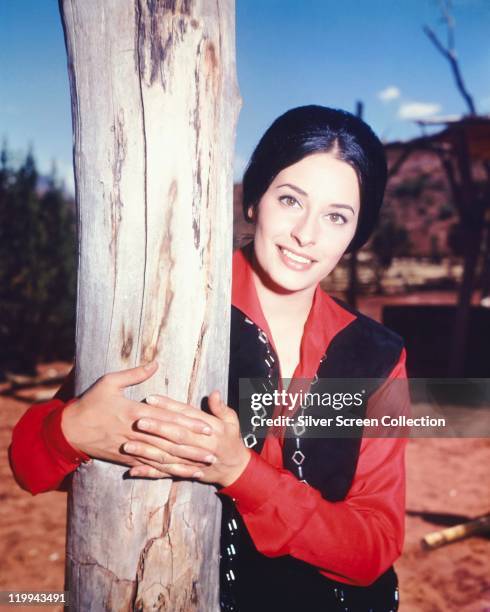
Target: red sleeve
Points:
(354, 540)
(40, 455)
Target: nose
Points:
(304, 229)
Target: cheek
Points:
(336, 240)
(269, 220)
(329, 260)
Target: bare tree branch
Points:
(450, 54)
(445, 6)
(455, 188)
(400, 161)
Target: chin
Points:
(292, 283)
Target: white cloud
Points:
(418, 110)
(389, 93)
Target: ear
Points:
(250, 212)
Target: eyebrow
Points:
(344, 206)
(301, 192)
(294, 187)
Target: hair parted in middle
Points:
(306, 130)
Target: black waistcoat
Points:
(250, 581)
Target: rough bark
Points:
(154, 107)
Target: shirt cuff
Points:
(255, 484)
(55, 439)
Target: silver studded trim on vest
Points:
(298, 457)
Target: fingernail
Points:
(129, 448)
(197, 475)
(142, 424)
(206, 430)
(151, 399)
(210, 459)
(149, 365)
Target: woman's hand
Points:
(223, 448)
(102, 420)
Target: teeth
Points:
(295, 257)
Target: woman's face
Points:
(305, 221)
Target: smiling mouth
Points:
(299, 259)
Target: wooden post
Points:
(154, 107)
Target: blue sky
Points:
(289, 52)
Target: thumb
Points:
(217, 407)
(132, 376)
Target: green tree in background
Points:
(37, 267)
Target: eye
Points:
(289, 201)
(337, 218)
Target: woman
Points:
(309, 523)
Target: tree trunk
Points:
(154, 108)
(473, 223)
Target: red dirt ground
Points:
(445, 476)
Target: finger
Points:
(142, 462)
(125, 460)
(173, 433)
(175, 470)
(183, 471)
(172, 460)
(218, 408)
(145, 451)
(181, 454)
(132, 376)
(162, 401)
(131, 461)
(194, 424)
(188, 454)
(145, 471)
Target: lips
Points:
(294, 260)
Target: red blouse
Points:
(354, 540)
